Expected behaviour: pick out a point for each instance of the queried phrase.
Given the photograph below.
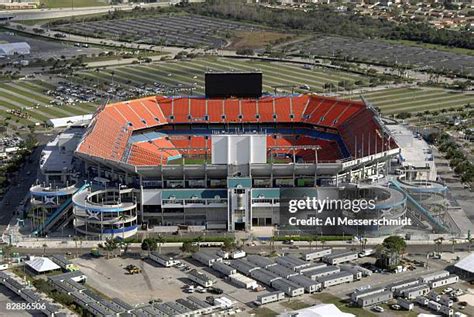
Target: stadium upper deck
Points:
(156, 130)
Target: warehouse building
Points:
(337, 258)
(260, 261)
(335, 279)
(264, 276)
(270, 298)
(292, 263)
(373, 299)
(434, 276)
(366, 292)
(206, 259)
(316, 254)
(200, 278)
(312, 266)
(243, 266)
(324, 271)
(163, 259)
(412, 292)
(395, 287)
(450, 279)
(282, 271)
(308, 284)
(224, 268)
(291, 289)
(243, 281)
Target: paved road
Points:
(27, 175)
(39, 14)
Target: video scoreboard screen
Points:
(239, 85)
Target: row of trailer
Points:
(289, 275)
(409, 291)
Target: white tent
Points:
(466, 264)
(42, 265)
(21, 48)
(68, 121)
(321, 310)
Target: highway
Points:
(40, 14)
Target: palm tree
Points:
(198, 240)
(439, 242)
(122, 218)
(469, 244)
(160, 240)
(76, 239)
(453, 241)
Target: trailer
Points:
(405, 304)
(316, 254)
(270, 298)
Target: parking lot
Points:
(379, 51)
(178, 30)
(155, 282)
(45, 49)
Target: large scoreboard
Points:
(233, 84)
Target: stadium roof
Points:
(42, 265)
(466, 264)
(134, 132)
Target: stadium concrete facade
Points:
(223, 164)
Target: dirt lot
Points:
(257, 39)
(155, 282)
(108, 276)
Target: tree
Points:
(198, 241)
(229, 245)
(160, 240)
(394, 244)
(110, 245)
(439, 242)
(188, 247)
(149, 244)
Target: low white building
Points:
(270, 298)
(200, 278)
(163, 259)
(243, 281)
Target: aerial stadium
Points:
(220, 162)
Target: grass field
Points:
(30, 96)
(72, 3)
(417, 99)
(331, 299)
(192, 72)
